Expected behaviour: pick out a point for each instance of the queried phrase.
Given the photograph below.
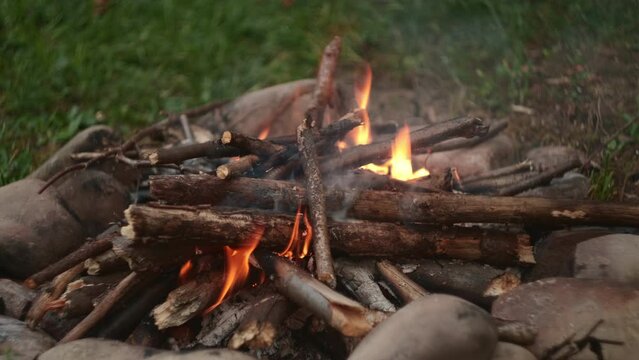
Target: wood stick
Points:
(81, 295)
(105, 263)
(224, 319)
(345, 315)
(198, 225)
(324, 87)
(102, 308)
(406, 289)
(261, 148)
(524, 166)
(283, 171)
(237, 167)
(387, 206)
(357, 277)
(336, 130)
(155, 258)
(87, 250)
(177, 154)
(360, 155)
(494, 130)
(541, 179)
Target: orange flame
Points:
(237, 267)
(307, 236)
(401, 167)
(362, 134)
(295, 247)
(185, 270)
(264, 133)
(295, 234)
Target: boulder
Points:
(572, 185)
(546, 157)
(612, 257)
(99, 349)
(561, 308)
(18, 342)
(508, 351)
(435, 327)
(15, 299)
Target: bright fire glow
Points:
(401, 167)
(185, 270)
(237, 268)
(264, 133)
(296, 247)
(362, 134)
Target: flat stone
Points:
(563, 307)
(18, 342)
(614, 257)
(435, 327)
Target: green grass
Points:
(60, 66)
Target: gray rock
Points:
(563, 307)
(18, 342)
(15, 299)
(99, 349)
(550, 156)
(611, 257)
(508, 351)
(35, 229)
(571, 186)
(435, 327)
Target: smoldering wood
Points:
(359, 279)
(262, 148)
(189, 300)
(345, 315)
(47, 298)
(262, 324)
(524, 166)
(215, 226)
(81, 296)
(146, 334)
(388, 206)
(224, 319)
(541, 179)
(405, 287)
(363, 154)
(15, 299)
(87, 250)
(237, 167)
(180, 153)
(453, 144)
(101, 309)
(151, 259)
(121, 324)
(105, 263)
(478, 283)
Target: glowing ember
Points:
(362, 134)
(185, 270)
(264, 133)
(237, 266)
(401, 167)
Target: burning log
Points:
(364, 154)
(177, 154)
(358, 278)
(236, 167)
(91, 248)
(82, 295)
(541, 179)
(390, 206)
(406, 289)
(190, 225)
(261, 148)
(188, 300)
(103, 307)
(345, 315)
(105, 263)
(15, 299)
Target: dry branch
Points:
(177, 154)
(406, 289)
(358, 278)
(237, 167)
(360, 155)
(524, 166)
(325, 78)
(190, 225)
(390, 206)
(541, 179)
(494, 130)
(105, 263)
(262, 148)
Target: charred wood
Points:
(105, 263)
(359, 279)
(224, 319)
(83, 294)
(405, 287)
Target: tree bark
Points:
(541, 179)
(191, 225)
(358, 277)
(325, 78)
(177, 154)
(261, 148)
(237, 167)
(406, 289)
(436, 208)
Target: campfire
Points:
(333, 239)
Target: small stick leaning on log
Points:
(236, 167)
(251, 145)
(177, 154)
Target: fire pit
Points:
(303, 229)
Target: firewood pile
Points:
(309, 243)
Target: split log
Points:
(15, 299)
(237, 167)
(360, 155)
(103, 307)
(478, 283)
(358, 278)
(543, 178)
(390, 206)
(151, 259)
(105, 263)
(345, 315)
(188, 300)
(177, 154)
(406, 289)
(88, 249)
(83, 294)
(184, 225)
(261, 148)
(453, 144)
